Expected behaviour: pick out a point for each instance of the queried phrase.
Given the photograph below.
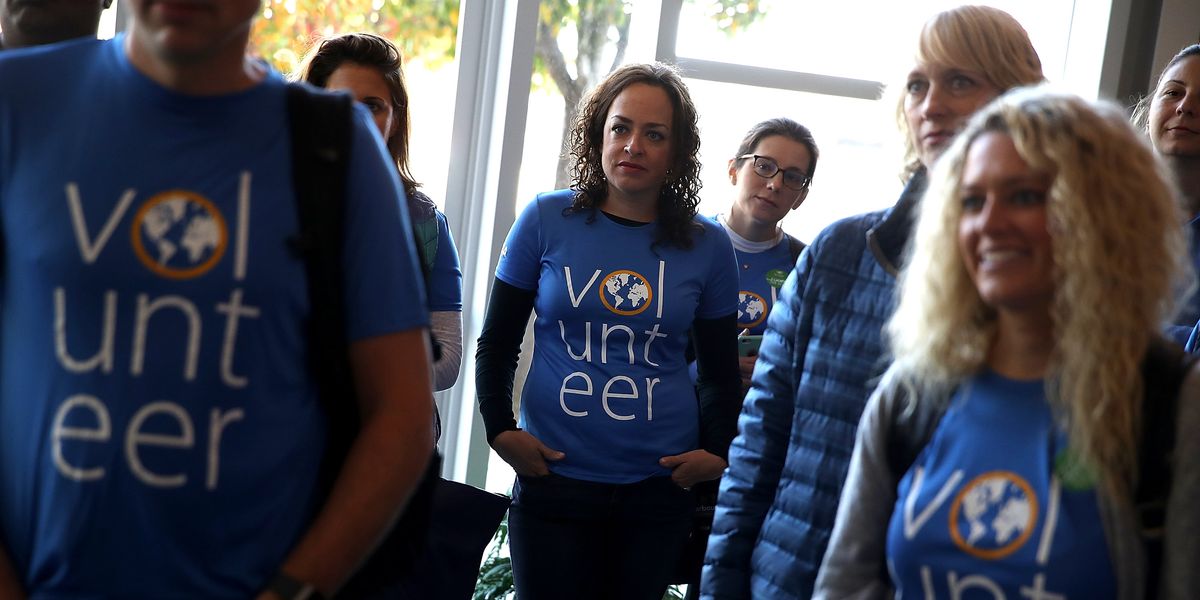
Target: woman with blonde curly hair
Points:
(619, 268)
(1000, 452)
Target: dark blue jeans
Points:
(584, 540)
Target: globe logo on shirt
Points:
(625, 293)
(179, 234)
(752, 309)
(993, 515)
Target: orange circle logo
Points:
(179, 234)
(626, 293)
(752, 309)
(998, 510)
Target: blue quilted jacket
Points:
(820, 359)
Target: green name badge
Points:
(775, 277)
(1074, 473)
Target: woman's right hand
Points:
(526, 454)
(746, 366)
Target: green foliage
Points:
(563, 13)
(424, 29)
(495, 574)
(732, 16)
(428, 28)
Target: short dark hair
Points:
(680, 194)
(783, 127)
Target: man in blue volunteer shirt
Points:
(160, 434)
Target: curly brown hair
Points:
(680, 194)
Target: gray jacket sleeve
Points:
(1181, 550)
(446, 327)
(855, 561)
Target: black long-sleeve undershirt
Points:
(719, 382)
(496, 357)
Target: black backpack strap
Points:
(321, 126)
(795, 247)
(1163, 371)
(425, 233)
(911, 427)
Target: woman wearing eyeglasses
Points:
(770, 174)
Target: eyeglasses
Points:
(767, 168)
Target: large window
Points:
(108, 20)
(861, 45)
(823, 64)
(868, 39)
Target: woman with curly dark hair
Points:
(619, 268)
(679, 194)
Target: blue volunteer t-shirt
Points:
(760, 275)
(994, 508)
(161, 431)
(608, 384)
(445, 276)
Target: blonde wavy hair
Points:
(982, 39)
(1119, 258)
